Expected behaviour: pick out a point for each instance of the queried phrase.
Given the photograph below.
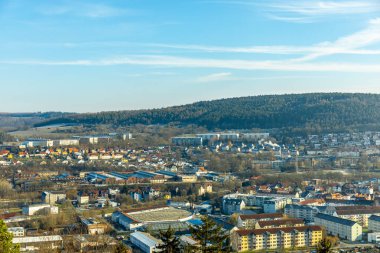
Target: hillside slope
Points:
(316, 111)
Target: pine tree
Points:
(324, 246)
(121, 248)
(170, 243)
(6, 245)
(210, 236)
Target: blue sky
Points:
(92, 55)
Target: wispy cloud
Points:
(356, 43)
(311, 11)
(321, 8)
(353, 44)
(84, 10)
(216, 77)
(349, 44)
(306, 11)
(182, 62)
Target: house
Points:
(205, 188)
(93, 226)
(53, 197)
(136, 195)
(17, 231)
(91, 243)
(83, 198)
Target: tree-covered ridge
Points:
(316, 110)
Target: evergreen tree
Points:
(210, 236)
(121, 248)
(170, 243)
(6, 245)
(324, 246)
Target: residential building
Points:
(17, 231)
(231, 206)
(187, 141)
(282, 223)
(343, 228)
(301, 212)
(276, 238)
(359, 214)
(374, 237)
(92, 243)
(276, 204)
(250, 220)
(93, 226)
(83, 198)
(53, 197)
(205, 188)
(374, 223)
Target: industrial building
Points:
(39, 243)
(134, 219)
(145, 242)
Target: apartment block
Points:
(343, 228)
(276, 238)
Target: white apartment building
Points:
(343, 228)
(275, 205)
(301, 212)
(374, 223)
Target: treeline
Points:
(315, 111)
(5, 137)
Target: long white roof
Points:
(31, 239)
(147, 239)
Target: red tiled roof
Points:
(277, 223)
(311, 201)
(348, 210)
(261, 216)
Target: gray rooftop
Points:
(335, 219)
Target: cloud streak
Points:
(216, 77)
(183, 62)
(351, 44)
(307, 11)
(84, 10)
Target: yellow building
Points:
(276, 238)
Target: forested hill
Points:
(316, 111)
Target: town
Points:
(97, 192)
